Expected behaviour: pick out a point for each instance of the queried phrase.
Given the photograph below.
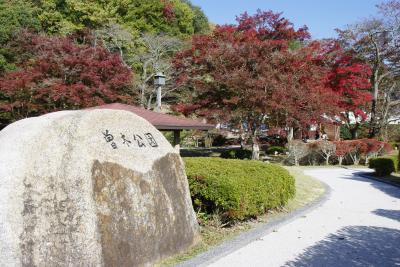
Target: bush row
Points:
(350, 151)
(246, 153)
(237, 189)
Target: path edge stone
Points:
(214, 254)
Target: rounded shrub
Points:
(382, 166)
(398, 161)
(237, 189)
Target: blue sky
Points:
(321, 16)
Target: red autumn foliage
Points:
(59, 74)
(372, 146)
(360, 147)
(247, 74)
(270, 25)
(349, 78)
(352, 148)
(342, 148)
(375, 147)
(386, 149)
(301, 95)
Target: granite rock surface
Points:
(91, 188)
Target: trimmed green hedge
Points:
(395, 160)
(384, 166)
(237, 189)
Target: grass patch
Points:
(307, 190)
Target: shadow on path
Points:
(388, 189)
(391, 214)
(354, 246)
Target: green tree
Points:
(14, 16)
(172, 17)
(66, 16)
(200, 20)
(154, 16)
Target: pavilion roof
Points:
(160, 120)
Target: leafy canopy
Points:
(14, 16)
(173, 17)
(263, 70)
(56, 74)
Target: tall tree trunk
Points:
(255, 151)
(142, 96)
(337, 133)
(354, 131)
(241, 135)
(385, 135)
(255, 147)
(367, 160)
(373, 122)
(375, 88)
(340, 161)
(290, 134)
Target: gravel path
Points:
(359, 225)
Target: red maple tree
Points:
(268, 25)
(58, 74)
(303, 95)
(358, 149)
(249, 74)
(350, 79)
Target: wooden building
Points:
(163, 122)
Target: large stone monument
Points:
(91, 188)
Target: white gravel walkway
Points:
(359, 225)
